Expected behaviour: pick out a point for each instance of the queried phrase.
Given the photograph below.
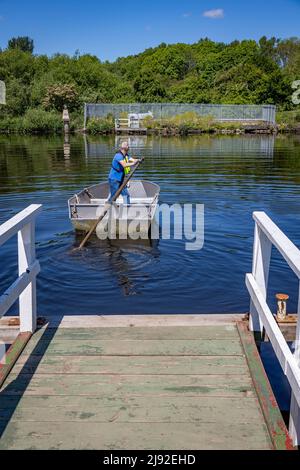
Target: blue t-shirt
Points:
(117, 170)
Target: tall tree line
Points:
(242, 72)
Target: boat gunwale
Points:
(105, 182)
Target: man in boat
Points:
(120, 167)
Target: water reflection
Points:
(231, 175)
(67, 148)
(196, 145)
(125, 259)
(95, 147)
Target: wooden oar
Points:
(108, 204)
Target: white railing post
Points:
(24, 287)
(294, 424)
(260, 269)
(266, 234)
(26, 256)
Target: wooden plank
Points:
(8, 336)
(151, 332)
(134, 409)
(137, 385)
(77, 402)
(11, 356)
(288, 331)
(274, 420)
(40, 435)
(52, 364)
(104, 321)
(136, 347)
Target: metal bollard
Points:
(281, 306)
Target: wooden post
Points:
(294, 424)
(260, 270)
(27, 299)
(66, 120)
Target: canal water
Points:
(231, 175)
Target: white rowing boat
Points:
(86, 206)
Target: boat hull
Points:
(134, 219)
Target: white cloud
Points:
(214, 14)
(186, 15)
(148, 28)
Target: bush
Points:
(37, 120)
(8, 123)
(59, 95)
(288, 119)
(184, 123)
(34, 121)
(100, 125)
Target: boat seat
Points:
(133, 200)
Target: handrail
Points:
(24, 287)
(267, 234)
(284, 245)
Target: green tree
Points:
(23, 43)
(59, 95)
(148, 87)
(205, 72)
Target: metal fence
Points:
(160, 111)
(2, 92)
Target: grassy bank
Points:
(183, 124)
(288, 121)
(39, 121)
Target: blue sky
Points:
(118, 28)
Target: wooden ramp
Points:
(140, 382)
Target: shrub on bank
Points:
(101, 125)
(8, 124)
(188, 122)
(37, 121)
(34, 121)
(288, 120)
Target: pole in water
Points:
(66, 120)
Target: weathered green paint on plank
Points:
(151, 332)
(116, 385)
(124, 391)
(51, 364)
(136, 347)
(38, 435)
(135, 409)
(11, 356)
(77, 402)
(274, 420)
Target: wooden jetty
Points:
(160, 382)
(129, 126)
(144, 382)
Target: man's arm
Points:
(131, 162)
